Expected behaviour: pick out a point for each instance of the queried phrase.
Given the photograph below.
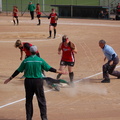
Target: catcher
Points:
(67, 48)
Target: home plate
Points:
(63, 85)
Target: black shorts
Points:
(38, 16)
(15, 17)
(53, 24)
(64, 63)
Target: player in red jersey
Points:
(24, 47)
(15, 15)
(68, 49)
(38, 13)
(53, 22)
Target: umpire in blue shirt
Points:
(113, 60)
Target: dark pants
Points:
(51, 81)
(109, 69)
(35, 85)
(32, 14)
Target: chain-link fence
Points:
(111, 4)
(7, 5)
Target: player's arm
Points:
(73, 46)
(56, 17)
(75, 49)
(59, 48)
(49, 16)
(21, 54)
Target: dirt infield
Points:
(89, 99)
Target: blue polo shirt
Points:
(108, 52)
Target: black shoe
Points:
(49, 37)
(105, 81)
(38, 24)
(118, 77)
(54, 37)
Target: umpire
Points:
(113, 60)
(32, 67)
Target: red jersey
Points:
(38, 10)
(38, 13)
(67, 54)
(118, 8)
(15, 12)
(52, 16)
(25, 49)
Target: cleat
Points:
(49, 37)
(105, 81)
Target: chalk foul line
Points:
(51, 89)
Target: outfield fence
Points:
(6, 6)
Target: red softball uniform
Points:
(52, 16)
(15, 12)
(67, 54)
(27, 52)
(38, 13)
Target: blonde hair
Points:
(18, 43)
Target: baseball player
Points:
(38, 13)
(53, 22)
(68, 49)
(15, 15)
(34, 82)
(54, 83)
(113, 60)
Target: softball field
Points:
(89, 99)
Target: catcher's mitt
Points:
(56, 17)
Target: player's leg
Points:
(50, 31)
(14, 20)
(71, 74)
(17, 20)
(55, 29)
(62, 67)
(39, 21)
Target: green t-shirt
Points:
(31, 7)
(32, 67)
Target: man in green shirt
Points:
(31, 8)
(32, 67)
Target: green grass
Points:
(22, 4)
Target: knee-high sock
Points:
(71, 75)
(17, 21)
(50, 32)
(14, 22)
(54, 32)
